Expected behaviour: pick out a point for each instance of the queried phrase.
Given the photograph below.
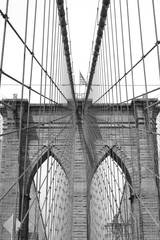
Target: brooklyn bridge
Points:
(79, 156)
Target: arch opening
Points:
(110, 207)
(49, 202)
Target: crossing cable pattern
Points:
(109, 203)
(124, 73)
(36, 66)
(118, 130)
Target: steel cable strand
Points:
(5, 16)
(20, 121)
(102, 21)
(44, 148)
(61, 12)
(34, 57)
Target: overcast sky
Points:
(82, 16)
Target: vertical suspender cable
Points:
(21, 115)
(4, 39)
(102, 21)
(60, 4)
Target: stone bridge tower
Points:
(86, 140)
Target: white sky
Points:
(82, 16)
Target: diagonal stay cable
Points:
(42, 95)
(36, 125)
(130, 70)
(132, 99)
(34, 57)
(4, 36)
(44, 147)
